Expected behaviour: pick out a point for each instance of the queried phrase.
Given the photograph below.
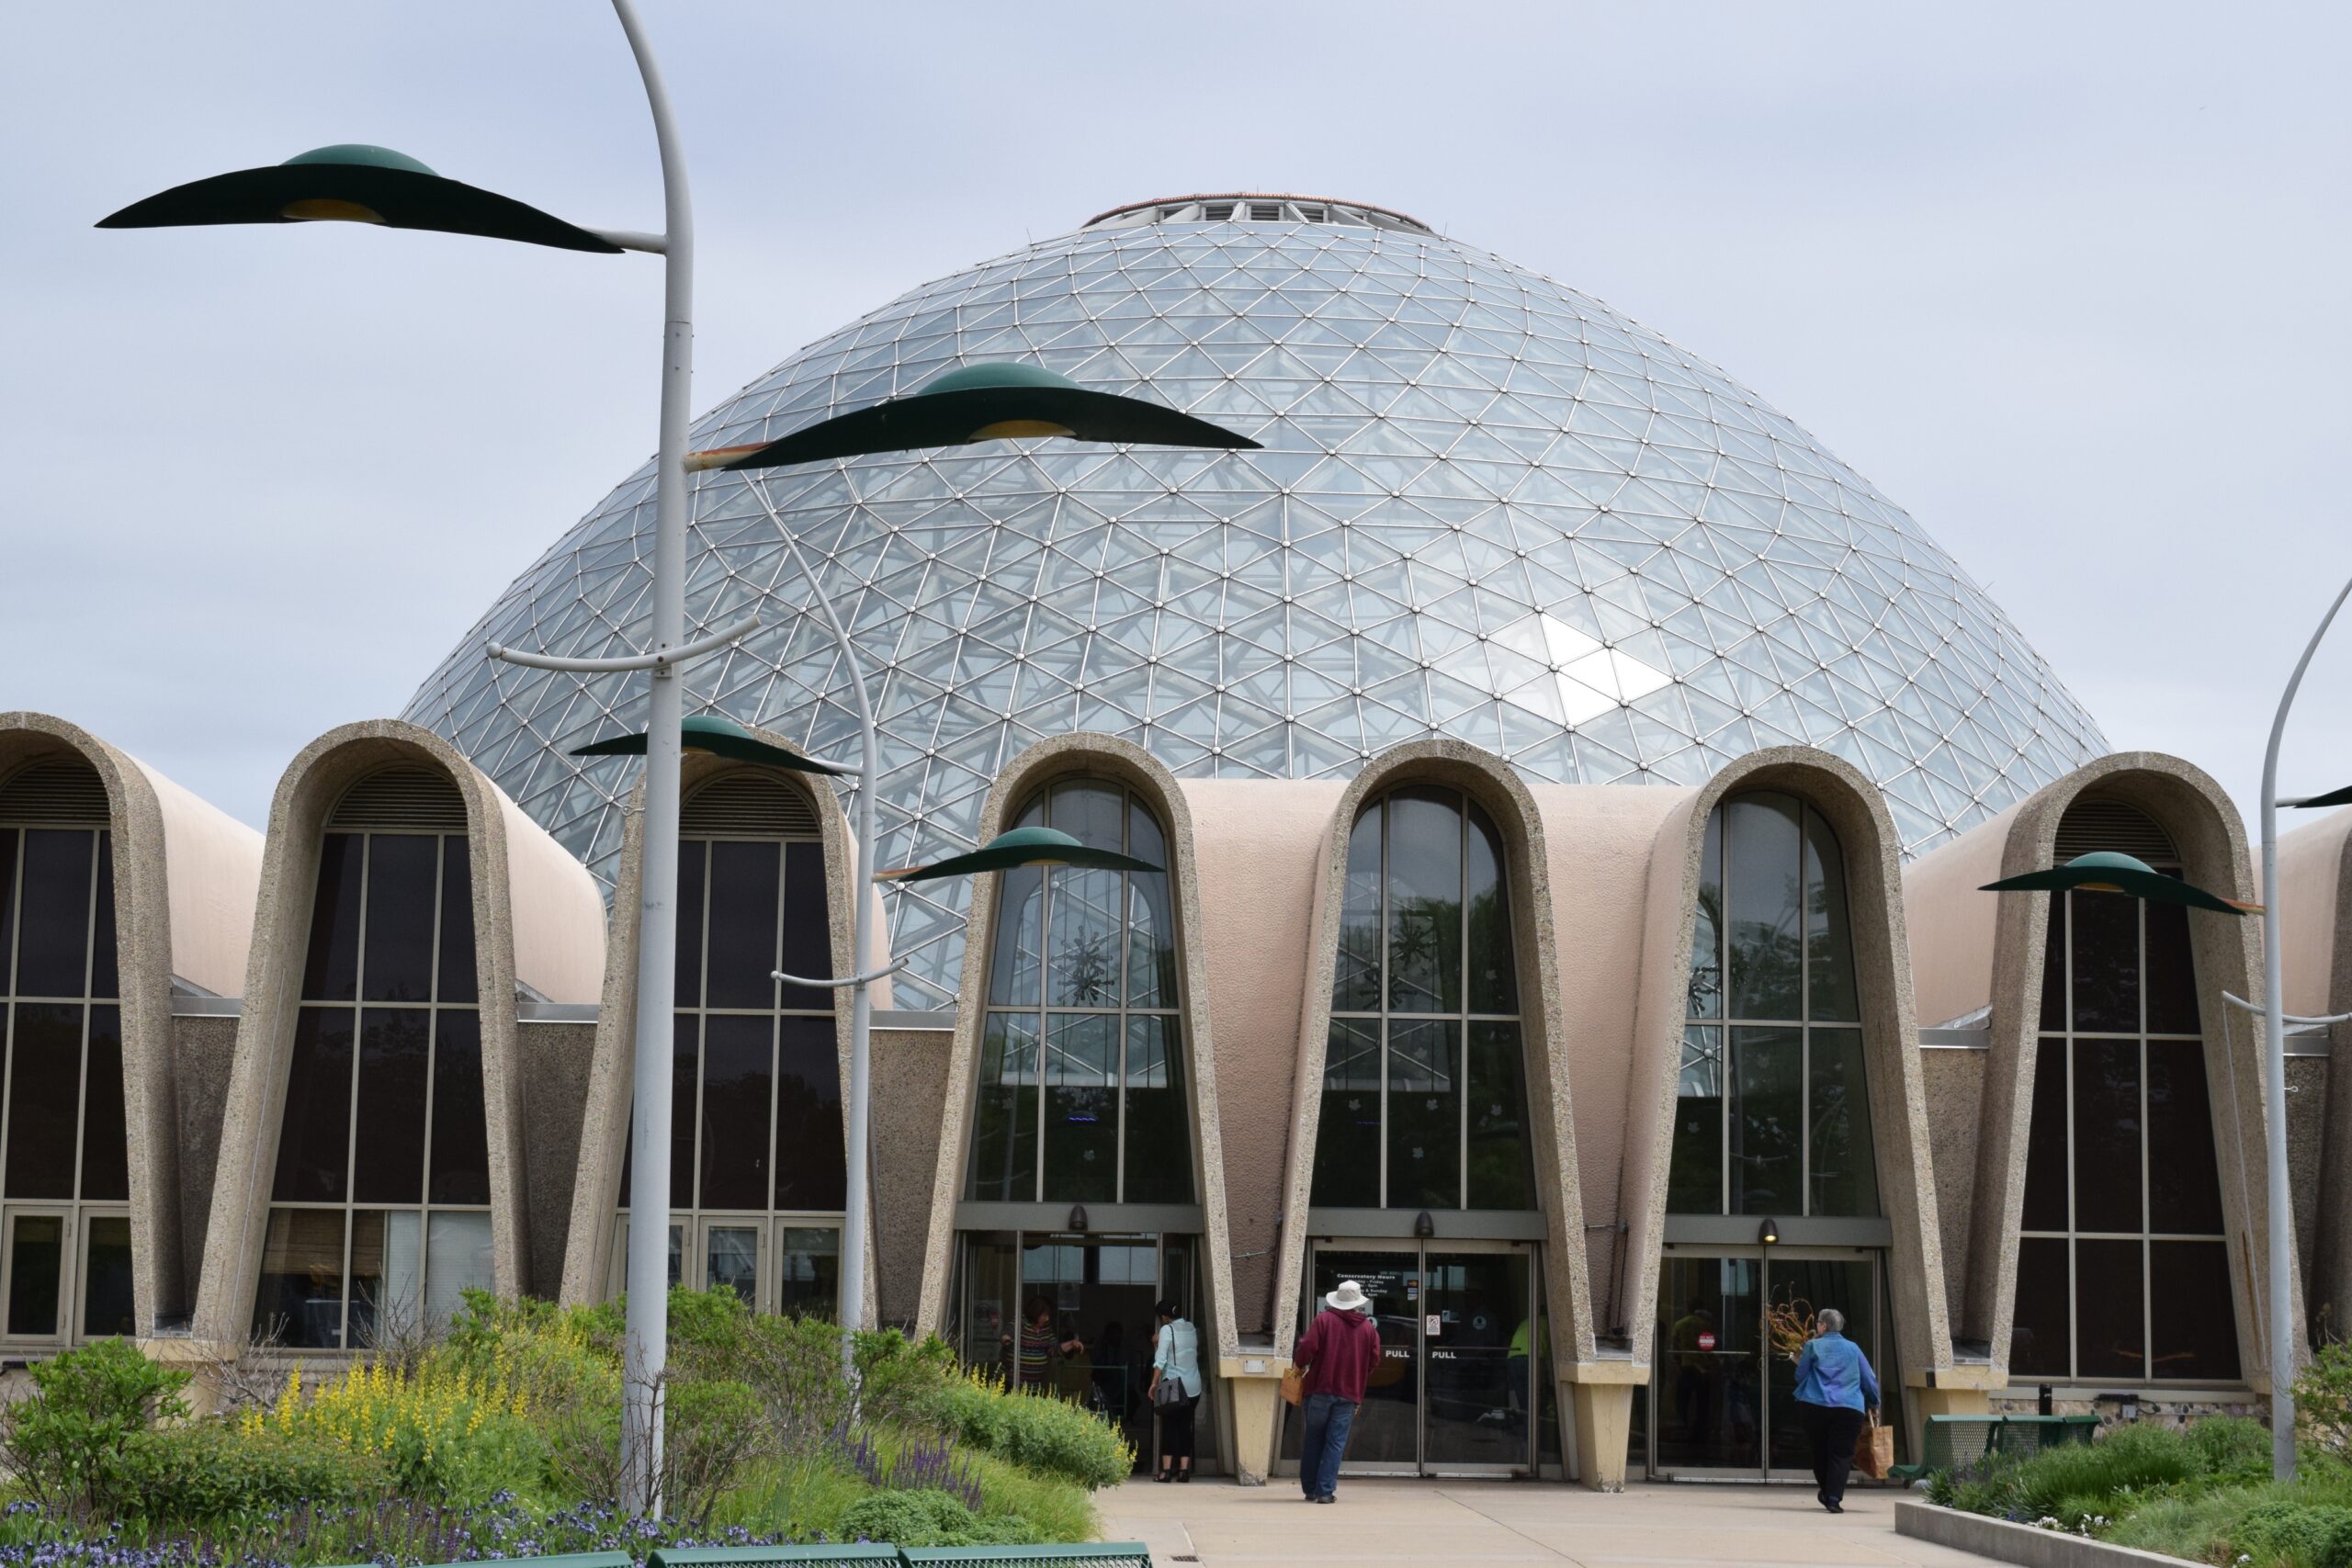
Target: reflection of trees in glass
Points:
(1080, 1096)
(1424, 1000)
(1772, 956)
(1086, 967)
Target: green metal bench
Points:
(867, 1554)
(1085, 1554)
(845, 1554)
(570, 1559)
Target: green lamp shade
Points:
(1022, 846)
(354, 183)
(720, 738)
(2106, 872)
(2333, 797)
(980, 402)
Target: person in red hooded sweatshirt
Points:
(1337, 1354)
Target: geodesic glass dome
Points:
(1488, 507)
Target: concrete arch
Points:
(2314, 896)
(1985, 951)
(538, 922)
(1857, 813)
(184, 879)
(1086, 754)
(1487, 780)
(604, 1130)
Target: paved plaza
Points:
(1216, 1523)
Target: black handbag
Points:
(1170, 1391)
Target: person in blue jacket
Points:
(1835, 1385)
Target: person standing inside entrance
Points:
(1337, 1354)
(1175, 1390)
(1835, 1386)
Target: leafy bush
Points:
(2230, 1450)
(929, 1517)
(2127, 1459)
(1036, 1430)
(64, 1440)
(2305, 1535)
(2323, 1400)
(443, 1431)
(205, 1470)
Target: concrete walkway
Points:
(1216, 1523)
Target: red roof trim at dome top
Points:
(1237, 195)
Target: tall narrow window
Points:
(1771, 1114)
(758, 1171)
(1081, 1093)
(64, 1165)
(1424, 1090)
(379, 1205)
(2123, 1270)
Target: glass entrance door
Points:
(1722, 1392)
(1456, 1388)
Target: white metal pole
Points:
(861, 1015)
(646, 1353)
(2286, 1337)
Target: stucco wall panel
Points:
(909, 1109)
(1952, 924)
(1258, 846)
(1599, 841)
(1955, 1082)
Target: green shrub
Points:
(2305, 1535)
(207, 1471)
(1036, 1430)
(2126, 1459)
(2230, 1450)
(2323, 1399)
(63, 1440)
(929, 1517)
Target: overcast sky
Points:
(2069, 283)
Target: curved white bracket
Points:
(670, 660)
(865, 979)
(631, 240)
(2257, 1010)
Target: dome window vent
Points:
(56, 791)
(1265, 212)
(2117, 826)
(747, 806)
(400, 799)
(1219, 211)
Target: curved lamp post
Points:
(2285, 1336)
(356, 184)
(985, 401)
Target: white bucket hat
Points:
(1349, 1297)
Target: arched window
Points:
(758, 1170)
(379, 1205)
(1081, 1091)
(2123, 1270)
(1424, 1091)
(64, 1165)
(1772, 1109)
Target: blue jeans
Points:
(1323, 1440)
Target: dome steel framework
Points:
(1488, 507)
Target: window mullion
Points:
(1380, 1064)
(432, 1073)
